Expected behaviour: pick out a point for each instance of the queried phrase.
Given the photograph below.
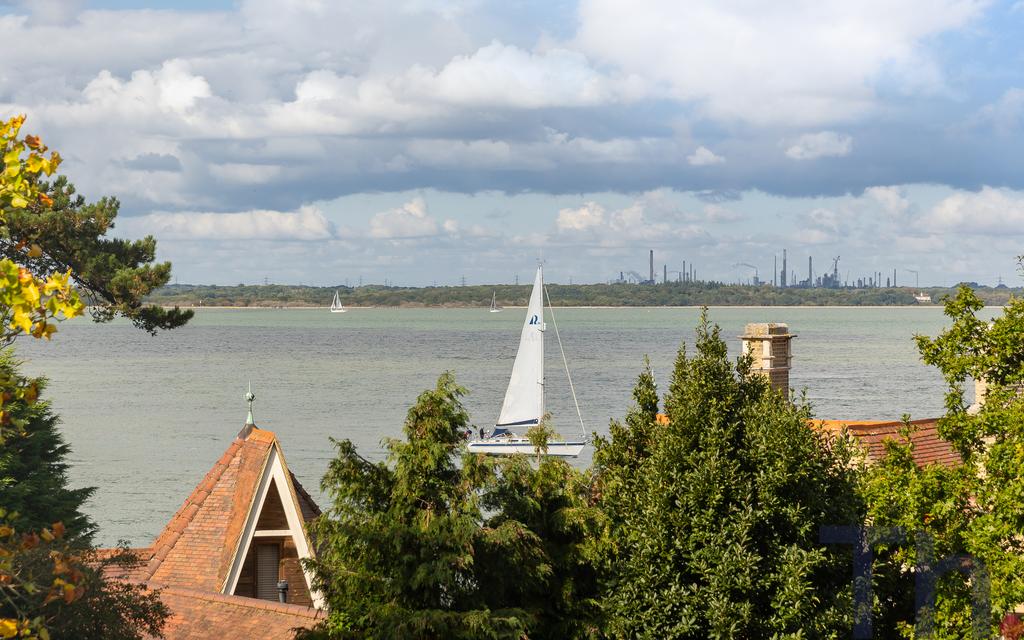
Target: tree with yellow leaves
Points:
(51, 585)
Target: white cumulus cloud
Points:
(893, 199)
(589, 216)
(823, 144)
(1006, 114)
(772, 62)
(643, 220)
(411, 220)
(703, 157)
(990, 211)
(308, 223)
(507, 76)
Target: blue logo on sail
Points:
(534, 320)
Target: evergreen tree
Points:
(33, 467)
(402, 550)
(714, 516)
(551, 499)
(113, 274)
(52, 580)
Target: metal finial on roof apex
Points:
(249, 397)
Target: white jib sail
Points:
(524, 399)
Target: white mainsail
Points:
(524, 399)
(336, 304)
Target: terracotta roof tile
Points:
(199, 615)
(195, 549)
(191, 557)
(929, 447)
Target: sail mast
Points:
(572, 388)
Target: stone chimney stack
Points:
(769, 344)
(980, 391)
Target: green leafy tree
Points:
(973, 510)
(66, 592)
(52, 584)
(930, 505)
(714, 514)
(403, 550)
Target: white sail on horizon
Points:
(336, 306)
(524, 399)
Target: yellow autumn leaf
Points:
(31, 292)
(18, 202)
(21, 320)
(8, 627)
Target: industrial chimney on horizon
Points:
(652, 266)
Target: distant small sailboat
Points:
(494, 303)
(524, 399)
(336, 306)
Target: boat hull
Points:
(500, 447)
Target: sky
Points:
(423, 141)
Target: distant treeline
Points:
(596, 295)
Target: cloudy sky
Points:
(418, 141)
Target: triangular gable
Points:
(274, 492)
(198, 548)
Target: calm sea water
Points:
(148, 416)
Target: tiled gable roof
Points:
(190, 560)
(195, 549)
(929, 447)
(199, 615)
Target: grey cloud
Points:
(154, 162)
(220, 90)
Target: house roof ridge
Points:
(182, 518)
(241, 601)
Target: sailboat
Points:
(524, 399)
(494, 303)
(336, 306)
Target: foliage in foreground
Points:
(52, 585)
(431, 545)
(33, 466)
(714, 515)
(972, 511)
(55, 589)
